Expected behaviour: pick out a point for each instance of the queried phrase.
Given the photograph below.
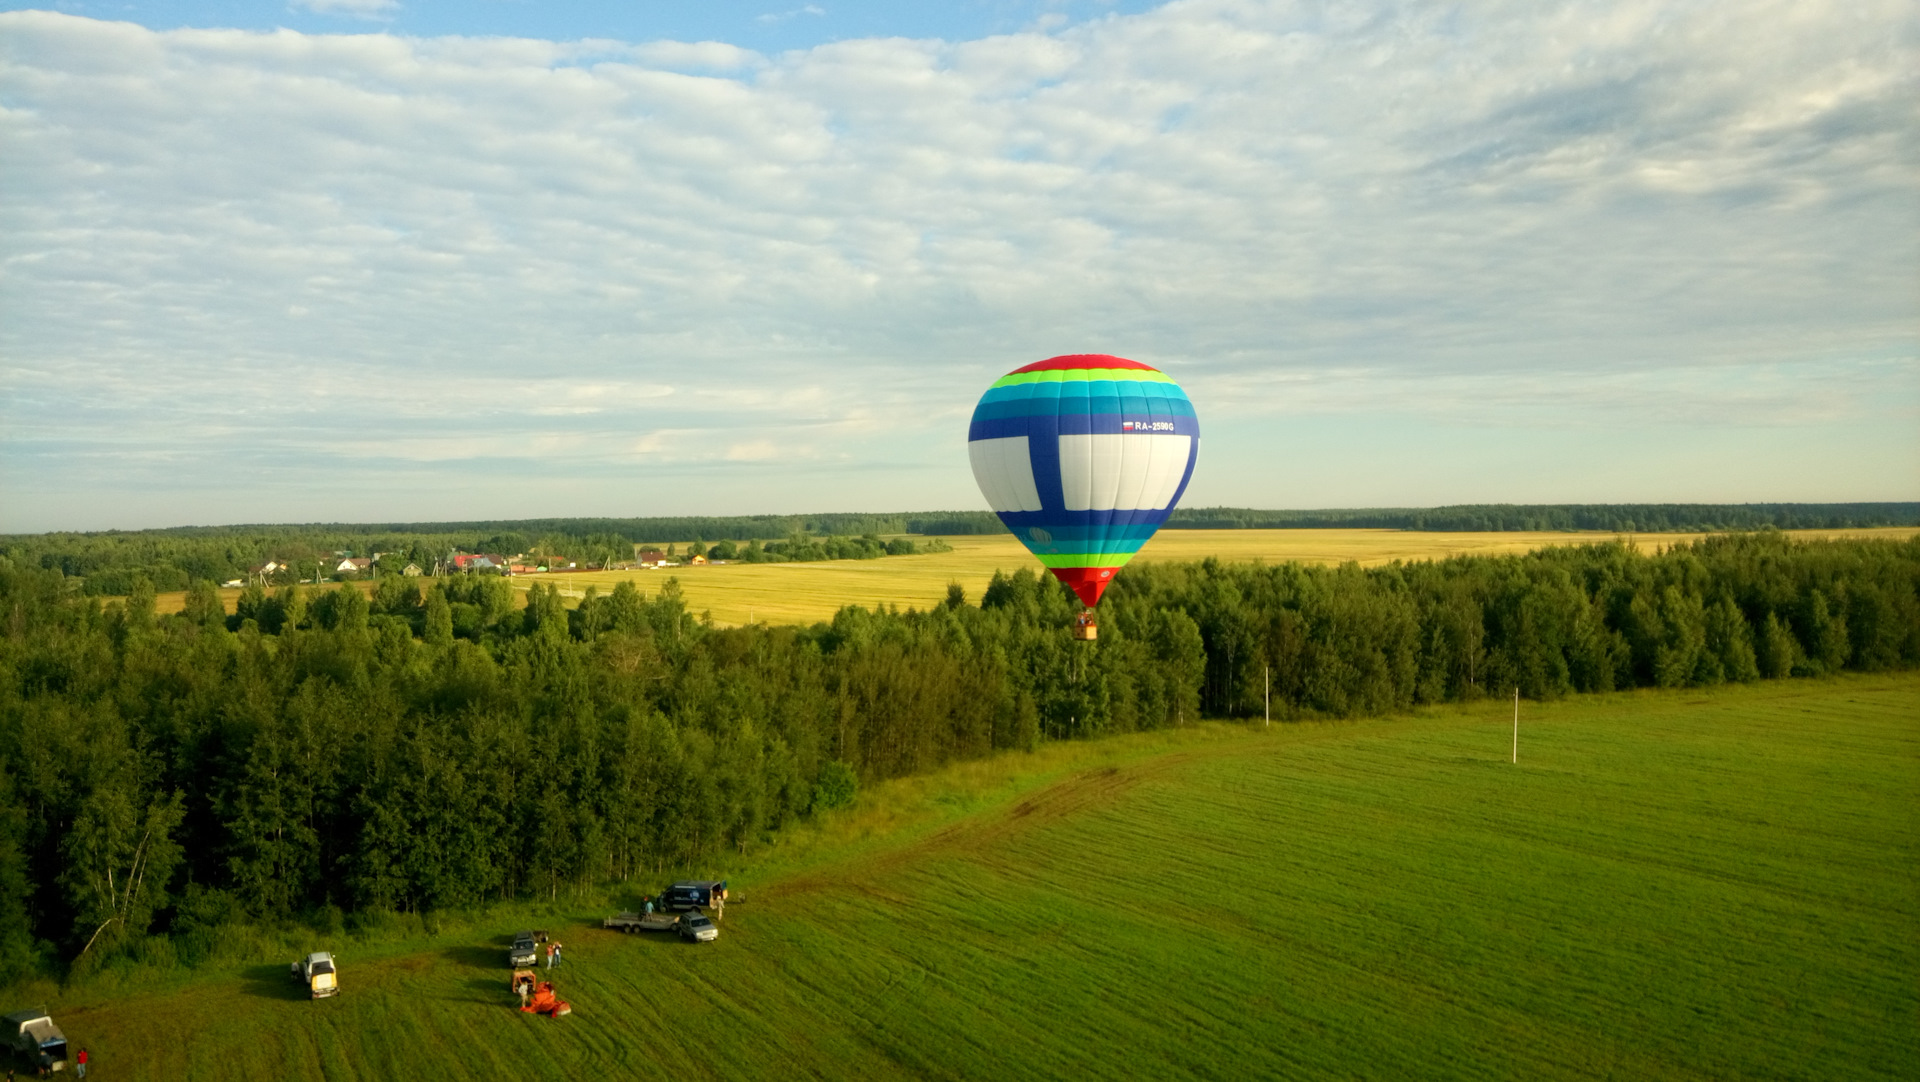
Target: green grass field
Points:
(1697, 884)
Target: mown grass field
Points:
(807, 592)
(1714, 884)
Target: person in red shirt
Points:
(80, 1064)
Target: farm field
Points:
(807, 592)
(1697, 884)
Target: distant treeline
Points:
(1614, 517)
(108, 562)
(323, 753)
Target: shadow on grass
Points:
(272, 982)
(474, 957)
(487, 974)
(486, 991)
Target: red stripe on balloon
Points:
(1083, 360)
(1088, 582)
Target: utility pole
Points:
(1516, 724)
(1267, 695)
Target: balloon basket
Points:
(1085, 628)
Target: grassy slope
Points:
(1683, 885)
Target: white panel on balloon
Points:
(1122, 471)
(1170, 454)
(1005, 473)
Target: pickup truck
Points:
(696, 928)
(317, 974)
(33, 1035)
(629, 921)
(524, 952)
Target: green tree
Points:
(1824, 637)
(439, 625)
(202, 607)
(836, 787)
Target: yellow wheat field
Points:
(804, 593)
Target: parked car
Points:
(691, 894)
(696, 928)
(317, 974)
(32, 1035)
(524, 952)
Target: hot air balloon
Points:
(1083, 457)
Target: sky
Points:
(410, 260)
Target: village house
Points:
(480, 561)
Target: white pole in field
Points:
(1267, 696)
(1516, 724)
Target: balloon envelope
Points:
(1083, 457)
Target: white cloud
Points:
(359, 9)
(274, 254)
(813, 10)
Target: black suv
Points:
(524, 951)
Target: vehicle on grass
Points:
(629, 921)
(691, 894)
(696, 928)
(524, 952)
(32, 1035)
(316, 973)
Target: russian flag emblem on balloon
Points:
(1083, 457)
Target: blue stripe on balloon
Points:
(1094, 522)
(1036, 425)
(1016, 407)
(1071, 538)
(1008, 401)
(1050, 393)
(1043, 450)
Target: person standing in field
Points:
(549, 956)
(719, 904)
(557, 957)
(80, 1064)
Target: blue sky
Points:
(768, 27)
(356, 260)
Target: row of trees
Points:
(1610, 517)
(416, 749)
(804, 547)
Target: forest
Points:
(326, 752)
